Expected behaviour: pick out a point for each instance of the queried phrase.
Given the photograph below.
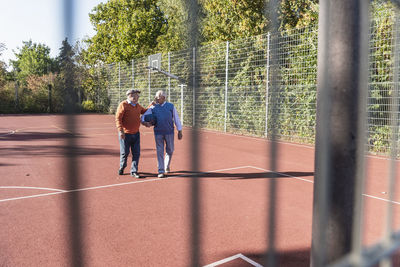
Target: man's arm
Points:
(118, 120)
(145, 123)
(178, 124)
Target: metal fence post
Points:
(194, 89)
(267, 87)
(169, 78)
(119, 81)
(342, 79)
(16, 96)
(49, 98)
(133, 74)
(149, 77)
(226, 81)
(182, 85)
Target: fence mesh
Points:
(234, 78)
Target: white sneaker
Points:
(161, 175)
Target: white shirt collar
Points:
(130, 102)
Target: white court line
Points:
(108, 186)
(9, 133)
(383, 199)
(298, 178)
(287, 175)
(59, 191)
(31, 187)
(234, 257)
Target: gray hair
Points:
(160, 93)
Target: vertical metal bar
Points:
(394, 117)
(49, 98)
(363, 48)
(322, 139)
(169, 78)
(71, 167)
(226, 82)
(149, 80)
(181, 103)
(194, 88)
(119, 82)
(16, 96)
(133, 74)
(342, 82)
(195, 207)
(267, 86)
(271, 254)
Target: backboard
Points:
(155, 61)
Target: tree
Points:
(226, 20)
(32, 59)
(125, 29)
(2, 67)
(66, 83)
(175, 36)
(299, 13)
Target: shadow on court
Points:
(241, 175)
(298, 258)
(54, 151)
(32, 136)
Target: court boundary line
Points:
(234, 257)
(31, 188)
(60, 191)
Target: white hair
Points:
(160, 93)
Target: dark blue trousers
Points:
(131, 143)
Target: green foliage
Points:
(175, 36)
(67, 82)
(381, 75)
(88, 105)
(125, 29)
(32, 59)
(226, 20)
(298, 14)
(7, 98)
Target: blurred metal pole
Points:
(342, 86)
(270, 11)
(71, 152)
(394, 131)
(195, 207)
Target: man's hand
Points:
(180, 135)
(121, 134)
(147, 124)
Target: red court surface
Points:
(123, 221)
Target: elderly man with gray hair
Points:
(163, 116)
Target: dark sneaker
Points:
(161, 175)
(167, 170)
(121, 172)
(135, 175)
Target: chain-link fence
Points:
(234, 84)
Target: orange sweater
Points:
(127, 117)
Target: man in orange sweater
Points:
(127, 119)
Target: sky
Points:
(42, 22)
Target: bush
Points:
(88, 105)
